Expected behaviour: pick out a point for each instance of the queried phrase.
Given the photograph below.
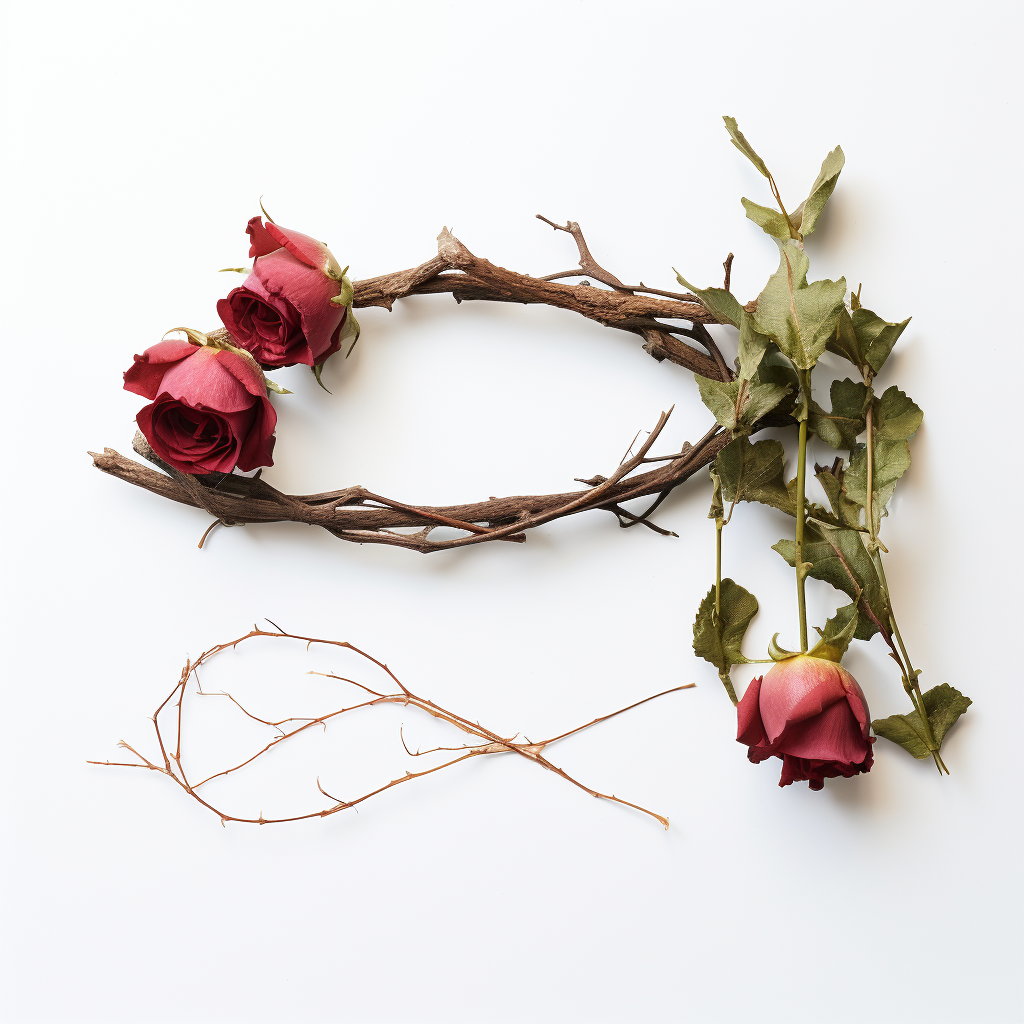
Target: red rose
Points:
(811, 713)
(210, 410)
(283, 312)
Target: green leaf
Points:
(943, 705)
(739, 404)
(753, 472)
(840, 427)
(770, 221)
(837, 634)
(742, 145)
(838, 557)
(722, 305)
(799, 317)
(806, 215)
(718, 639)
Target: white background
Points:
(138, 140)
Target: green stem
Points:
(801, 509)
(870, 453)
(724, 676)
(718, 568)
(910, 683)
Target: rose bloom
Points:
(811, 713)
(209, 411)
(283, 312)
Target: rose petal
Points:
(750, 730)
(834, 735)
(261, 241)
(858, 703)
(798, 688)
(258, 447)
(204, 382)
(302, 247)
(245, 372)
(144, 376)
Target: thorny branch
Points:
(362, 516)
(489, 742)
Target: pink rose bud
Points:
(283, 313)
(811, 713)
(209, 412)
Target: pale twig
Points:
(492, 742)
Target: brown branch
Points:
(361, 516)
(492, 742)
(457, 271)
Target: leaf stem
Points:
(801, 508)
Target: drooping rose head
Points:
(811, 713)
(283, 312)
(209, 411)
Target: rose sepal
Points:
(777, 653)
(350, 328)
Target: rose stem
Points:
(868, 510)
(718, 567)
(724, 676)
(910, 683)
(801, 479)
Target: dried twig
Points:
(489, 742)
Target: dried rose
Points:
(811, 713)
(287, 310)
(209, 411)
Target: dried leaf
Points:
(753, 472)
(831, 479)
(838, 557)
(837, 634)
(898, 417)
(719, 641)
(739, 404)
(770, 221)
(806, 215)
(752, 348)
(722, 305)
(865, 339)
(840, 427)
(742, 145)
(943, 705)
(799, 317)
